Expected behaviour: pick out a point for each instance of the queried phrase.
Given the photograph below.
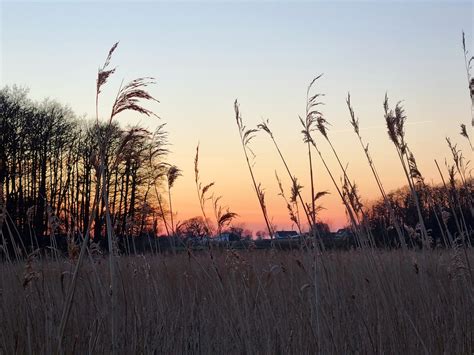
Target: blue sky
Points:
(206, 54)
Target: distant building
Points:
(343, 233)
(286, 234)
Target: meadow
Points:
(266, 302)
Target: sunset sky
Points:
(206, 54)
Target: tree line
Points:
(49, 174)
(54, 166)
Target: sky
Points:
(205, 55)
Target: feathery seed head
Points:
(173, 173)
(264, 126)
(103, 73)
(354, 121)
(464, 131)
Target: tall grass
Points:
(247, 302)
(395, 121)
(315, 121)
(127, 99)
(365, 147)
(349, 190)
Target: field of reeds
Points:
(264, 302)
(79, 203)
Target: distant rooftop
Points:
(285, 234)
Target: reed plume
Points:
(395, 121)
(458, 159)
(102, 76)
(466, 135)
(129, 96)
(171, 175)
(365, 147)
(291, 204)
(224, 216)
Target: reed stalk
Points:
(470, 80)
(202, 190)
(246, 135)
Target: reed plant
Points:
(468, 60)
(365, 147)
(315, 121)
(247, 301)
(309, 123)
(291, 204)
(395, 120)
(466, 184)
(203, 191)
(349, 190)
(127, 99)
(161, 174)
(246, 136)
(172, 174)
(223, 215)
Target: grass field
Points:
(267, 302)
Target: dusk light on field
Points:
(248, 177)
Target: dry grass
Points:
(248, 302)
